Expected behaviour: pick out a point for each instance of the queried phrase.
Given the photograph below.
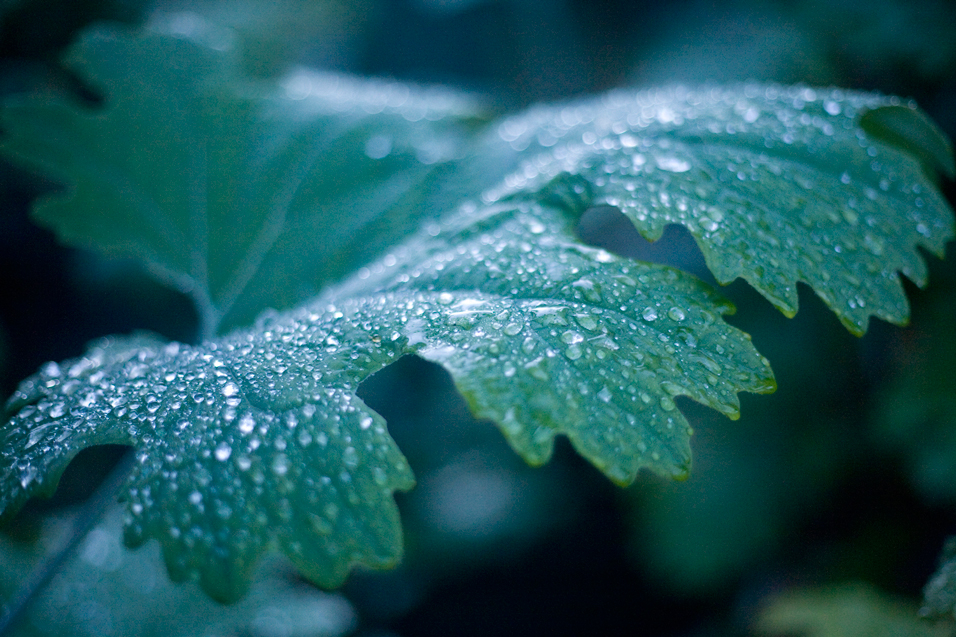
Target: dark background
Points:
(848, 473)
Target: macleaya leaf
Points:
(245, 195)
(413, 234)
(777, 185)
(259, 436)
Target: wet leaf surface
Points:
(378, 203)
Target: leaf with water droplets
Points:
(546, 336)
(257, 438)
(253, 439)
(777, 185)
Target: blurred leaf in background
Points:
(107, 590)
(849, 610)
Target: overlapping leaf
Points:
(253, 198)
(849, 610)
(259, 436)
(245, 195)
(777, 185)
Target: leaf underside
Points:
(252, 197)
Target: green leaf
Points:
(255, 197)
(939, 594)
(912, 131)
(245, 195)
(254, 439)
(777, 185)
(81, 598)
(259, 437)
(851, 610)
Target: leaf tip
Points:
(911, 130)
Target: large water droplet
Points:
(672, 164)
(586, 321)
(223, 451)
(512, 329)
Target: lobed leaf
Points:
(258, 437)
(255, 197)
(246, 195)
(777, 185)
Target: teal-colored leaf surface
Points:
(412, 235)
(258, 437)
(245, 195)
(255, 439)
(777, 185)
(544, 335)
(80, 600)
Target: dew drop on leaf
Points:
(223, 451)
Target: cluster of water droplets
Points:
(777, 184)
(547, 336)
(258, 438)
(254, 439)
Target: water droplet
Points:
(571, 337)
(350, 457)
(246, 423)
(586, 321)
(649, 314)
(230, 389)
(366, 422)
(27, 476)
(378, 147)
(223, 451)
(672, 164)
(676, 314)
(573, 352)
(512, 329)
(280, 464)
(537, 368)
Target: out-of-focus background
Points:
(846, 475)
